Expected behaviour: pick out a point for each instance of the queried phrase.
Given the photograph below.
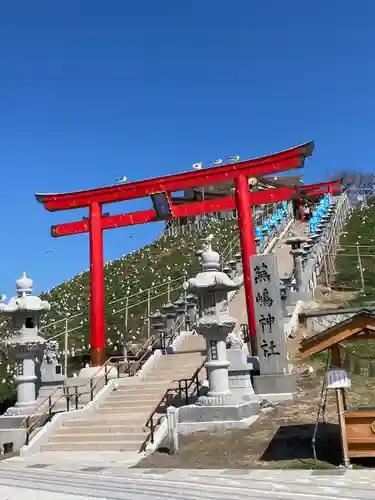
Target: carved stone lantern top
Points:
(169, 310)
(24, 302)
(25, 310)
(157, 319)
(295, 242)
(211, 277)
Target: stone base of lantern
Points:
(219, 400)
(21, 409)
(193, 418)
(275, 388)
(295, 297)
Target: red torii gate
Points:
(317, 189)
(94, 199)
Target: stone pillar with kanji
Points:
(212, 286)
(275, 381)
(26, 346)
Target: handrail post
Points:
(91, 389)
(66, 335)
(148, 313)
(105, 374)
(76, 396)
(169, 289)
(126, 314)
(27, 430)
(152, 430)
(186, 392)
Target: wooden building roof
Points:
(358, 327)
(221, 189)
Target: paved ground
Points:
(130, 484)
(281, 438)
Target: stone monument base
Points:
(12, 431)
(194, 418)
(275, 388)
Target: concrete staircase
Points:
(119, 422)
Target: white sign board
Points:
(337, 379)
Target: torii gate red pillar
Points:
(96, 285)
(248, 248)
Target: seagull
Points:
(233, 158)
(122, 179)
(49, 250)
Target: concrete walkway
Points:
(141, 484)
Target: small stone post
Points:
(26, 346)
(212, 285)
(172, 430)
(297, 254)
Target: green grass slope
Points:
(357, 245)
(167, 258)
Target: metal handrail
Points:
(47, 414)
(30, 424)
(164, 399)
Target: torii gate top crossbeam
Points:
(334, 184)
(285, 160)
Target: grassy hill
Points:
(357, 245)
(127, 280)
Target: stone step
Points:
(124, 404)
(135, 398)
(175, 367)
(133, 419)
(105, 437)
(171, 374)
(89, 446)
(67, 428)
(143, 386)
(111, 409)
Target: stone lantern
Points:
(298, 254)
(212, 286)
(238, 258)
(170, 314)
(233, 265)
(180, 305)
(192, 311)
(228, 271)
(25, 345)
(158, 326)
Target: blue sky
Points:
(93, 90)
